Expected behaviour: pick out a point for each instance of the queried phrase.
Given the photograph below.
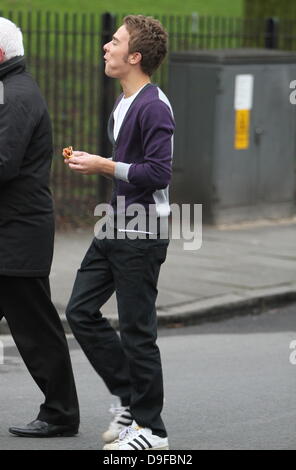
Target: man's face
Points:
(116, 54)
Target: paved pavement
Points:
(238, 269)
(228, 385)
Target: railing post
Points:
(107, 92)
(271, 33)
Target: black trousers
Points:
(130, 365)
(39, 336)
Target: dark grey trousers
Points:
(39, 336)
(130, 365)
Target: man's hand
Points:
(87, 164)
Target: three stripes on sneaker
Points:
(137, 445)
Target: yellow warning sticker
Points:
(242, 129)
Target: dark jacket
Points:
(26, 207)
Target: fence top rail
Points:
(18, 13)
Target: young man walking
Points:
(141, 129)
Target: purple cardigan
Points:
(143, 151)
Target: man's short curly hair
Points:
(148, 37)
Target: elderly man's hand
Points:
(88, 164)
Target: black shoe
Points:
(42, 429)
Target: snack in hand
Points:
(68, 152)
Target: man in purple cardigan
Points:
(141, 130)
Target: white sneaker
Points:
(136, 438)
(122, 419)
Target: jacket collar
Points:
(14, 66)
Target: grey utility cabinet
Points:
(235, 136)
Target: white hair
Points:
(11, 39)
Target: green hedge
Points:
(209, 7)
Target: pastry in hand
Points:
(68, 152)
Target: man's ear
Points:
(2, 56)
(135, 58)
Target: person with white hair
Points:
(11, 40)
(26, 242)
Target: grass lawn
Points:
(208, 7)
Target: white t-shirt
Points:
(121, 110)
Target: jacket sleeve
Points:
(16, 129)
(157, 128)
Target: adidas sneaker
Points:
(135, 437)
(122, 419)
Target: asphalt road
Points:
(228, 385)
